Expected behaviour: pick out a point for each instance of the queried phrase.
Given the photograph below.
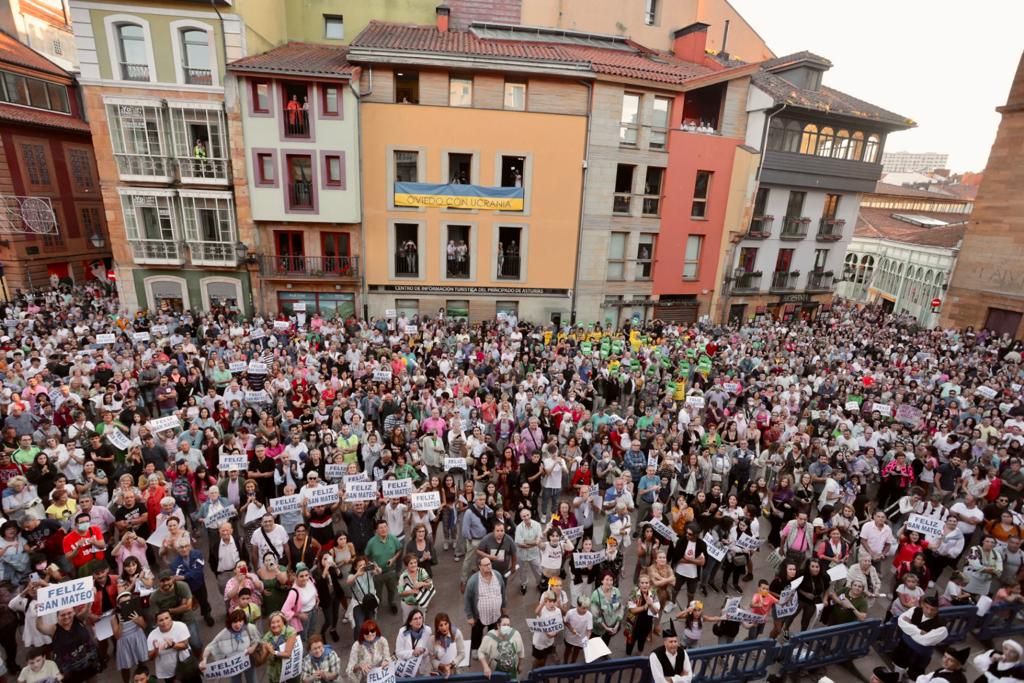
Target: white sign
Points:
(285, 504)
(281, 325)
(117, 439)
(837, 573)
(987, 392)
(390, 313)
(361, 490)
(664, 531)
(335, 471)
(258, 333)
(882, 408)
(382, 674)
(852, 406)
(257, 396)
(215, 519)
(228, 668)
(236, 366)
(731, 387)
(573, 534)
(928, 526)
(141, 336)
(412, 329)
(158, 329)
(585, 560)
(788, 603)
(292, 667)
(257, 368)
(429, 500)
(104, 339)
(381, 375)
(227, 461)
(652, 460)
(547, 625)
(360, 476)
(733, 612)
(454, 464)
(58, 596)
(164, 423)
(409, 668)
(715, 549)
(748, 543)
(695, 401)
(325, 494)
(299, 306)
(397, 488)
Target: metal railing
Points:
(213, 253)
(783, 280)
(830, 229)
(508, 266)
(198, 76)
(300, 194)
(407, 265)
(794, 228)
(199, 169)
(652, 205)
(134, 72)
(309, 266)
(621, 202)
(296, 123)
(830, 645)
(156, 251)
(457, 268)
(760, 227)
(146, 165)
(819, 281)
(748, 282)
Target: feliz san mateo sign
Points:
(470, 291)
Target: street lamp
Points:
(97, 241)
(242, 252)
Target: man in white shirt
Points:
(551, 482)
(668, 663)
(528, 542)
(877, 539)
(968, 514)
(168, 644)
(269, 538)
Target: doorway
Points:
(1002, 321)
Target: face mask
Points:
(506, 630)
(84, 527)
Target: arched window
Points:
(826, 141)
(809, 140)
(871, 148)
(869, 268)
(791, 141)
(856, 146)
(131, 50)
(842, 144)
(776, 134)
(195, 55)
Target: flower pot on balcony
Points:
(794, 273)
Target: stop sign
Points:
(936, 302)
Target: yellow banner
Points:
(456, 202)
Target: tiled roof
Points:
(633, 62)
(874, 223)
(13, 52)
(904, 191)
(298, 58)
(827, 100)
(40, 117)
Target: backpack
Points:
(506, 659)
(181, 491)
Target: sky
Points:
(946, 64)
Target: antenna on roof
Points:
(725, 36)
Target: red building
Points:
(47, 175)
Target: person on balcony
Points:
(199, 149)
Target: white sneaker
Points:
(446, 545)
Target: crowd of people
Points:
(297, 479)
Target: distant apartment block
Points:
(910, 162)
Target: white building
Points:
(909, 162)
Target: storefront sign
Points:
(794, 298)
(469, 291)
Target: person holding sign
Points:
(370, 651)
(544, 641)
(447, 647)
(238, 637)
(322, 663)
(278, 643)
(413, 643)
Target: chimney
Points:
(725, 37)
(689, 42)
(444, 13)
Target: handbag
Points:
(261, 654)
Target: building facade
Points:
(52, 223)
(44, 26)
(297, 162)
(821, 150)
(913, 162)
(987, 288)
(154, 96)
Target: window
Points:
(809, 139)
(630, 120)
(748, 259)
(645, 256)
(261, 97)
(820, 259)
(37, 93)
(140, 140)
(826, 140)
(131, 45)
(410, 308)
(795, 205)
(289, 251)
(623, 188)
(209, 222)
(659, 122)
(515, 95)
(300, 181)
(460, 168)
(334, 27)
(651, 12)
(407, 253)
(457, 309)
(297, 123)
(652, 191)
(407, 87)
(407, 167)
(871, 148)
(336, 250)
(200, 147)
(701, 189)
(691, 261)
(33, 92)
(510, 241)
(841, 148)
(457, 253)
(58, 97)
(784, 261)
(329, 100)
(831, 206)
(195, 50)
(513, 168)
(509, 308)
(266, 172)
(91, 222)
(460, 91)
(856, 146)
(616, 269)
(334, 171)
(15, 88)
(34, 157)
(80, 168)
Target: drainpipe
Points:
(757, 186)
(583, 192)
(363, 289)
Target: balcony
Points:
(760, 227)
(203, 171)
(144, 167)
(794, 228)
(407, 264)
(221, 254)
(198, 76)
(819, 281)
(508, 266)
(621, 202)
(748, 282)
(296, 123)
(821, 173)
(830, 229)
(783, 281)
(326, 267)
(300, 194)
(134, 72)
(158, 252)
